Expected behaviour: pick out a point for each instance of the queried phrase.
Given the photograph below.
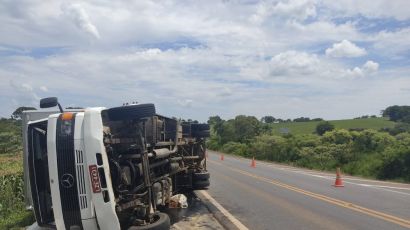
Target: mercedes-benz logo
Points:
(67, 180)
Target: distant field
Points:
(309, 127)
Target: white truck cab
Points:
(115, 168)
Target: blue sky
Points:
(194, 59)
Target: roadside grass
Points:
(13, 214)
(310, 127)
(11, 164)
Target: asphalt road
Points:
(273, 196)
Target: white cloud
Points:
(371, 67)
(368, 68)
(395, 44)
(345, 48)
(225, 92)
(292, 62)
(221, 57)
(354, 73)
(296, 9)
(289, 10)
(23, 94)
(81, 19)
(185, 102)
(397, 9)
(43, 88)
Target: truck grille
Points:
(67, 174)
(81, 181)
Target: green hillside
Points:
(309, 127)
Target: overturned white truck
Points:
(113, 168)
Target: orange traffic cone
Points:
(338, 181)
(253, 163)
(222, 157)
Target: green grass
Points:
(11, 164)
(309, 127)
(13, 214)
(12, 208)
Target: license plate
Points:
(95, 179)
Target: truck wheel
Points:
(161, 222)
(201, 184)
(131, 112)
(198, 176)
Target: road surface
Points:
(273, 196)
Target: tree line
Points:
(271, 119)
(382, 154)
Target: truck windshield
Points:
(38, 170)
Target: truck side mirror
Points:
(49, 102)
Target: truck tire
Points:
(131, 112)
(198, 176)
(200, 184)
(162, 222)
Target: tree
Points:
(246, 128)
(317, 119)
(217, 124)
(397, 113)
(268, 119)
(301, 119)
(19, 111)
(323, 127)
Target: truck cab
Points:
(110, 168)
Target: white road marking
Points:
(225, 212)
(380, 187)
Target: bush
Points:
(274, 148)
(236, 148)
(399, 128)
(396, 163)
(306, 140)
(340, 136)
(323, 127)
(213, 143)
(371, 140)
(367, 166)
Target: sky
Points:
(195, 59)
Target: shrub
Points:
(396, 163)
(235, 148)
(340, 136)
(269, 147)
(213, 143)
(306, 140)
(323, 127)
(371, 140)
